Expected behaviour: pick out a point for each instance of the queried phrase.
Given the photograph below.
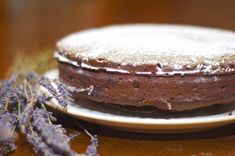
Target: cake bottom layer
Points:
(171, 93)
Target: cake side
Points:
(174, 93)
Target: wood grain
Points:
(112, 142)
(33, 25)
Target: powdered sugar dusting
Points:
(172, 45)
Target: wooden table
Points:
(112, 142)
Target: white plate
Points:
(168, 123)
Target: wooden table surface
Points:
(33, 25)
(220, 141)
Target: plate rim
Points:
(139, 120)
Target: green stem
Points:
(25, 90)
(6, 105)
(31, 129)
(19, 108)
(17, 81)
(30, 104)
(49, 120)
(79, 125)
(13, 129)
(30, 89)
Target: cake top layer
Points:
(175, 46)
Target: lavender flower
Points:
(11, 80)
(59, 95)
(5, 87)
(39, 146)
(6, 84)
(7, 145)
(42, 99)
(92, 148)
(63, 90)
(7, 124)
(13, 100)
(32, 77)
(46, 82)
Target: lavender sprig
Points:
(36, 123)
(9, 98)
(47, 138)
(39, 146)
(53, 135)
(22, 106)
(4, 85)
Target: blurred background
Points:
(27, 26)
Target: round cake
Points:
(168, 67)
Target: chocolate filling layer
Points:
(159, 69)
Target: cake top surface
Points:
(136, 44)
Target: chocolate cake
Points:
(169, 67)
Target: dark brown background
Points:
(34, 25)
(37, 24)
